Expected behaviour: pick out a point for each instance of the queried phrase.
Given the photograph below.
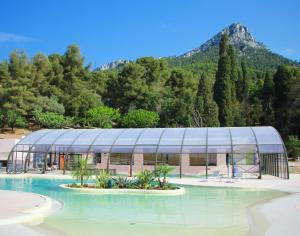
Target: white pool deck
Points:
(279, 216)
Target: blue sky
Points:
(128, 29)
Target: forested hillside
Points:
(60, 91)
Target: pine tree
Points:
(223, 85)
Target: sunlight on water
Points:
(201, 210)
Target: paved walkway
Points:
(21, 207)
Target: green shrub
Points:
(102, 179)
(140, 119)
(293, 146)
(144, 179)
(124, 182)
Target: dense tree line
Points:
(61, 91)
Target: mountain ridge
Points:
(247, 48)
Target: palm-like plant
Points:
(102, 179)
(145, 178)
(81, 171)
(123, 182)
(163, 170)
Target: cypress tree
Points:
(267, 96)
(223, 85)
(237, 118)
(205, 104)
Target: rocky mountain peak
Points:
(113, 64)
(238, 35)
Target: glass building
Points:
(252, 151)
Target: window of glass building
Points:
(121, 159)
(199, 159)
(162, 158)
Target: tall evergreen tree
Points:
(284, 80)
(205, 106)
(223, 85)
(267, 97)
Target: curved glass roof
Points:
(151, 140)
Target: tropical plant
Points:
(81, 172)
(123, 182)
(102, 179)
(144, 178)
(162, 170)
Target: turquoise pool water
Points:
(200, 211)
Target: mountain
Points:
(238, 35)
(254, 53)
(113, 65)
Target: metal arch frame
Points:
(133, 150)
(94, 140)
(231, 144)
(285, 153)
(111, 147)
(70, 145)
(53, 143)
(158, 144)
(258, 152)
(181, 148)
(206, 154)
(29, 151)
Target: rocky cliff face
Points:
(113, 65)
(238, 35)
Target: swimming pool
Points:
(200, 211)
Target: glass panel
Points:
(98, 148)
(169, 149)
(194, 149)
(172, 136)
(33, 137)
(267, 135)
(244, 148)
(145, 149)
(78, 149)
(219, 136)
(51, 137)
(128, 137)
(195, 136)
(242, 135)
(68, 137)
(87, 137)
(271, 149)
(150, 136)
(108, 137)
(41, 148)
(122, 149)
(219, 149)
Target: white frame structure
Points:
(265, 142)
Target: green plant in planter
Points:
(102, 179)
(162, 170)
(144, 179)
(81, 172)
(123, 182)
